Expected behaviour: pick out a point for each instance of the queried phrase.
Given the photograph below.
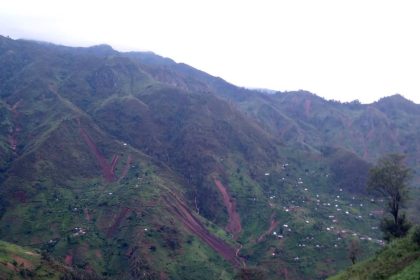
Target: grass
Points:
(20, 263)
(188, 136)
(398, 260)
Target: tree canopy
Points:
(390, 178)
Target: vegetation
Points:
(23, 263)
(129, 165)
(390, 178)
(354, 250)
(398, 260)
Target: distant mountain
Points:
(132, 166)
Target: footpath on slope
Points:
(234, 222)
(273, 225)
(182, 212)
(108, 169)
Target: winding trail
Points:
(182, 212)
(234, 222)
(117, 221)
(273, 225)
(114, 163)
(107, 169)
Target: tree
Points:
(390, 178)
(354, 250)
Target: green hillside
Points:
(398, 260)
(22, 263)
(130, 166)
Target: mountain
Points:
(132, 166)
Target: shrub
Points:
(415, 237)
(393, 230)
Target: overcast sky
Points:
(342, 50)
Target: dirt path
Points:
(88, 217)
(114, 162)
(23, 262)
(107, 169)
(117, 221)
(234, 222)
(286, 274)
(181, 211)
(68, 260)
(273, 225)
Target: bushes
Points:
(393, 230)
(415, 237)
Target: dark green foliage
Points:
(390, 178)
(395, 230)
(415, 237)
(160, 132)
(400, 260)
(349, 171)
(250, 274)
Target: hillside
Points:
(130, 165)
(22, 263)
(398, 260)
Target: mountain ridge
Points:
(130, 164)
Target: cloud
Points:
(341, 50)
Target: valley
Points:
(132, 166)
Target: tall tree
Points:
(390, 178)
(354, 250)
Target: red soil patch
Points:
(98, 254)
(285, 273)
(23, 262)
(107, 169)
(163, 276)
(121, 216)
(377, 212)
(68, 260)
(10, 266)
(182, 212)
(273, 225)
(114, 163)
(234, 222)
(88, 217)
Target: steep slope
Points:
(128, 164)
(22, 263)
(302, 117)
(369, 131)
(398, 260)
(53, 182)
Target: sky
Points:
(338, 49)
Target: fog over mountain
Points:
(340, 51)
